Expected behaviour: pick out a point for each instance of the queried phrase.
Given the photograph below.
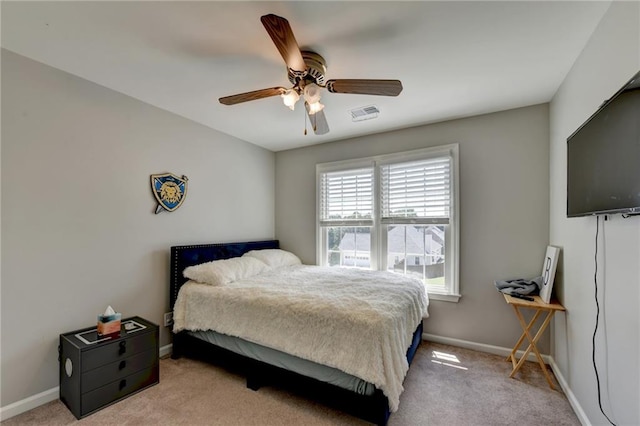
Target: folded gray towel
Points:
(520, 286)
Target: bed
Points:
(291, 363)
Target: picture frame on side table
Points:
(549, 272)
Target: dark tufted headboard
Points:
(183, 256)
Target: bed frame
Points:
(373, 408)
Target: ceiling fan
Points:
(306, 71)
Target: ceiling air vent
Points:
(364, 113)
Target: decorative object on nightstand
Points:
(98, 370)
(109, 323)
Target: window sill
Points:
(445, 297)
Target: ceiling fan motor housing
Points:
(316, 69)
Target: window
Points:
(346, 216)
(396, 212)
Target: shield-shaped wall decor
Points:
(169, 190)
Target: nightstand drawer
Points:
(114, 391)
(116, 351)
(117, 370)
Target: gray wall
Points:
(78, 228)
(504, 216)
(610, 58)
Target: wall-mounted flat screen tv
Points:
(603, 157)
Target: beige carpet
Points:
(446, 385)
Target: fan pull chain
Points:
(304, 113)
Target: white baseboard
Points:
(52, 394)
(166, 350)
(481, 347)
(498, 350)
(29, 403)
(577, 408)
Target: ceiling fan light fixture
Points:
(312, 93)
(290, 97)
(315, 107)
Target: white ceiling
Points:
(454, 59)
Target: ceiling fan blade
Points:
(252, 96)
(318, 121)
(280, 32)
(365, 87)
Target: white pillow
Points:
(274, 257)
(224, 271)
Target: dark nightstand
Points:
(96, 372)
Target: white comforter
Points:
(358, 321)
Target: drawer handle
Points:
(123, 347)
(122, 365)
(123, 384)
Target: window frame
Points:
(378, 256)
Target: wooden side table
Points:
(540, 307)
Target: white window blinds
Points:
(416, 191)
(346, 197)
